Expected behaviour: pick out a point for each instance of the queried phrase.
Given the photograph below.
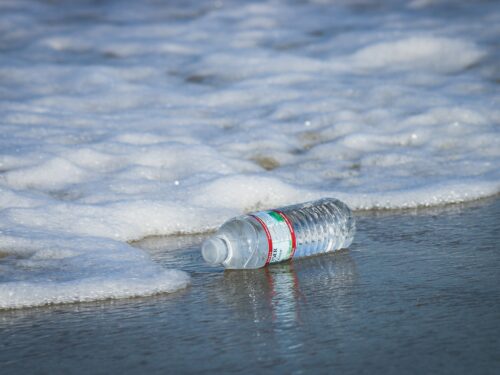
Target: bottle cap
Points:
(214, 250)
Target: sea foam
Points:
(125, 120)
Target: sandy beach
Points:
(131, 130)
(418, 292)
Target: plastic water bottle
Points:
(260, 238)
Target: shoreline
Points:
(186, 240)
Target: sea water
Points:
(417, 293)
(121, 120)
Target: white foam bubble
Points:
(140, 120)
(37, 270)
(428, 53)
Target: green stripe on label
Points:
(275, 215)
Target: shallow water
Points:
(418, 292)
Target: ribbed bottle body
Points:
(321, 226)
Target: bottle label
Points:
(280, 235)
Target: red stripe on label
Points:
(292, 232)
(269, 240)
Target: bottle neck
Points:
(214, 250)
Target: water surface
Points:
(418, 292)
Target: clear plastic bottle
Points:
(260, 238)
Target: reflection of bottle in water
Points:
(264, 237)
(283, 293)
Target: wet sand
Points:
(418, 292)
